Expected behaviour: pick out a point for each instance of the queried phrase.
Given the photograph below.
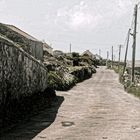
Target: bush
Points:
(76, 62)
(54, 80)
(75, 54)
(61, 82)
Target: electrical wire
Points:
(131, 27)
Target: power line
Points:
(131, 27)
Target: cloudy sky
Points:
(86, 24)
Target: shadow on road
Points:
(36, 124)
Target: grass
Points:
(134, 90)
(128, 86)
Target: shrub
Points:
(54, 80)
(75, 54)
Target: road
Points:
(95, 109)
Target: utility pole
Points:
(70, 48)
(126, 51)
(99, 52)
(107, 58)
(134, 44)
(112, 57)
(107, 55)
(120, 46)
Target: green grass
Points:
(135, 90)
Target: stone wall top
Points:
(9, 42)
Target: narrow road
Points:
(95, 109)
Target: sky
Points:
(87, 24)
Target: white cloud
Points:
(89, 14)
(123, 7)
(2, 5)
(102, 21)
(77, 17)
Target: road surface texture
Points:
(96, 109)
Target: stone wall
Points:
(21, 75)
(33, 47)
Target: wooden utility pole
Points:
(112, 57)
(120, 46)
(134, 44)
(107, 55)
(99, 52)
(70, 48)
(126, 51)
(107, 58)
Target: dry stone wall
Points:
(32, 47)
(21, 75)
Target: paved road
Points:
(95, 109)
